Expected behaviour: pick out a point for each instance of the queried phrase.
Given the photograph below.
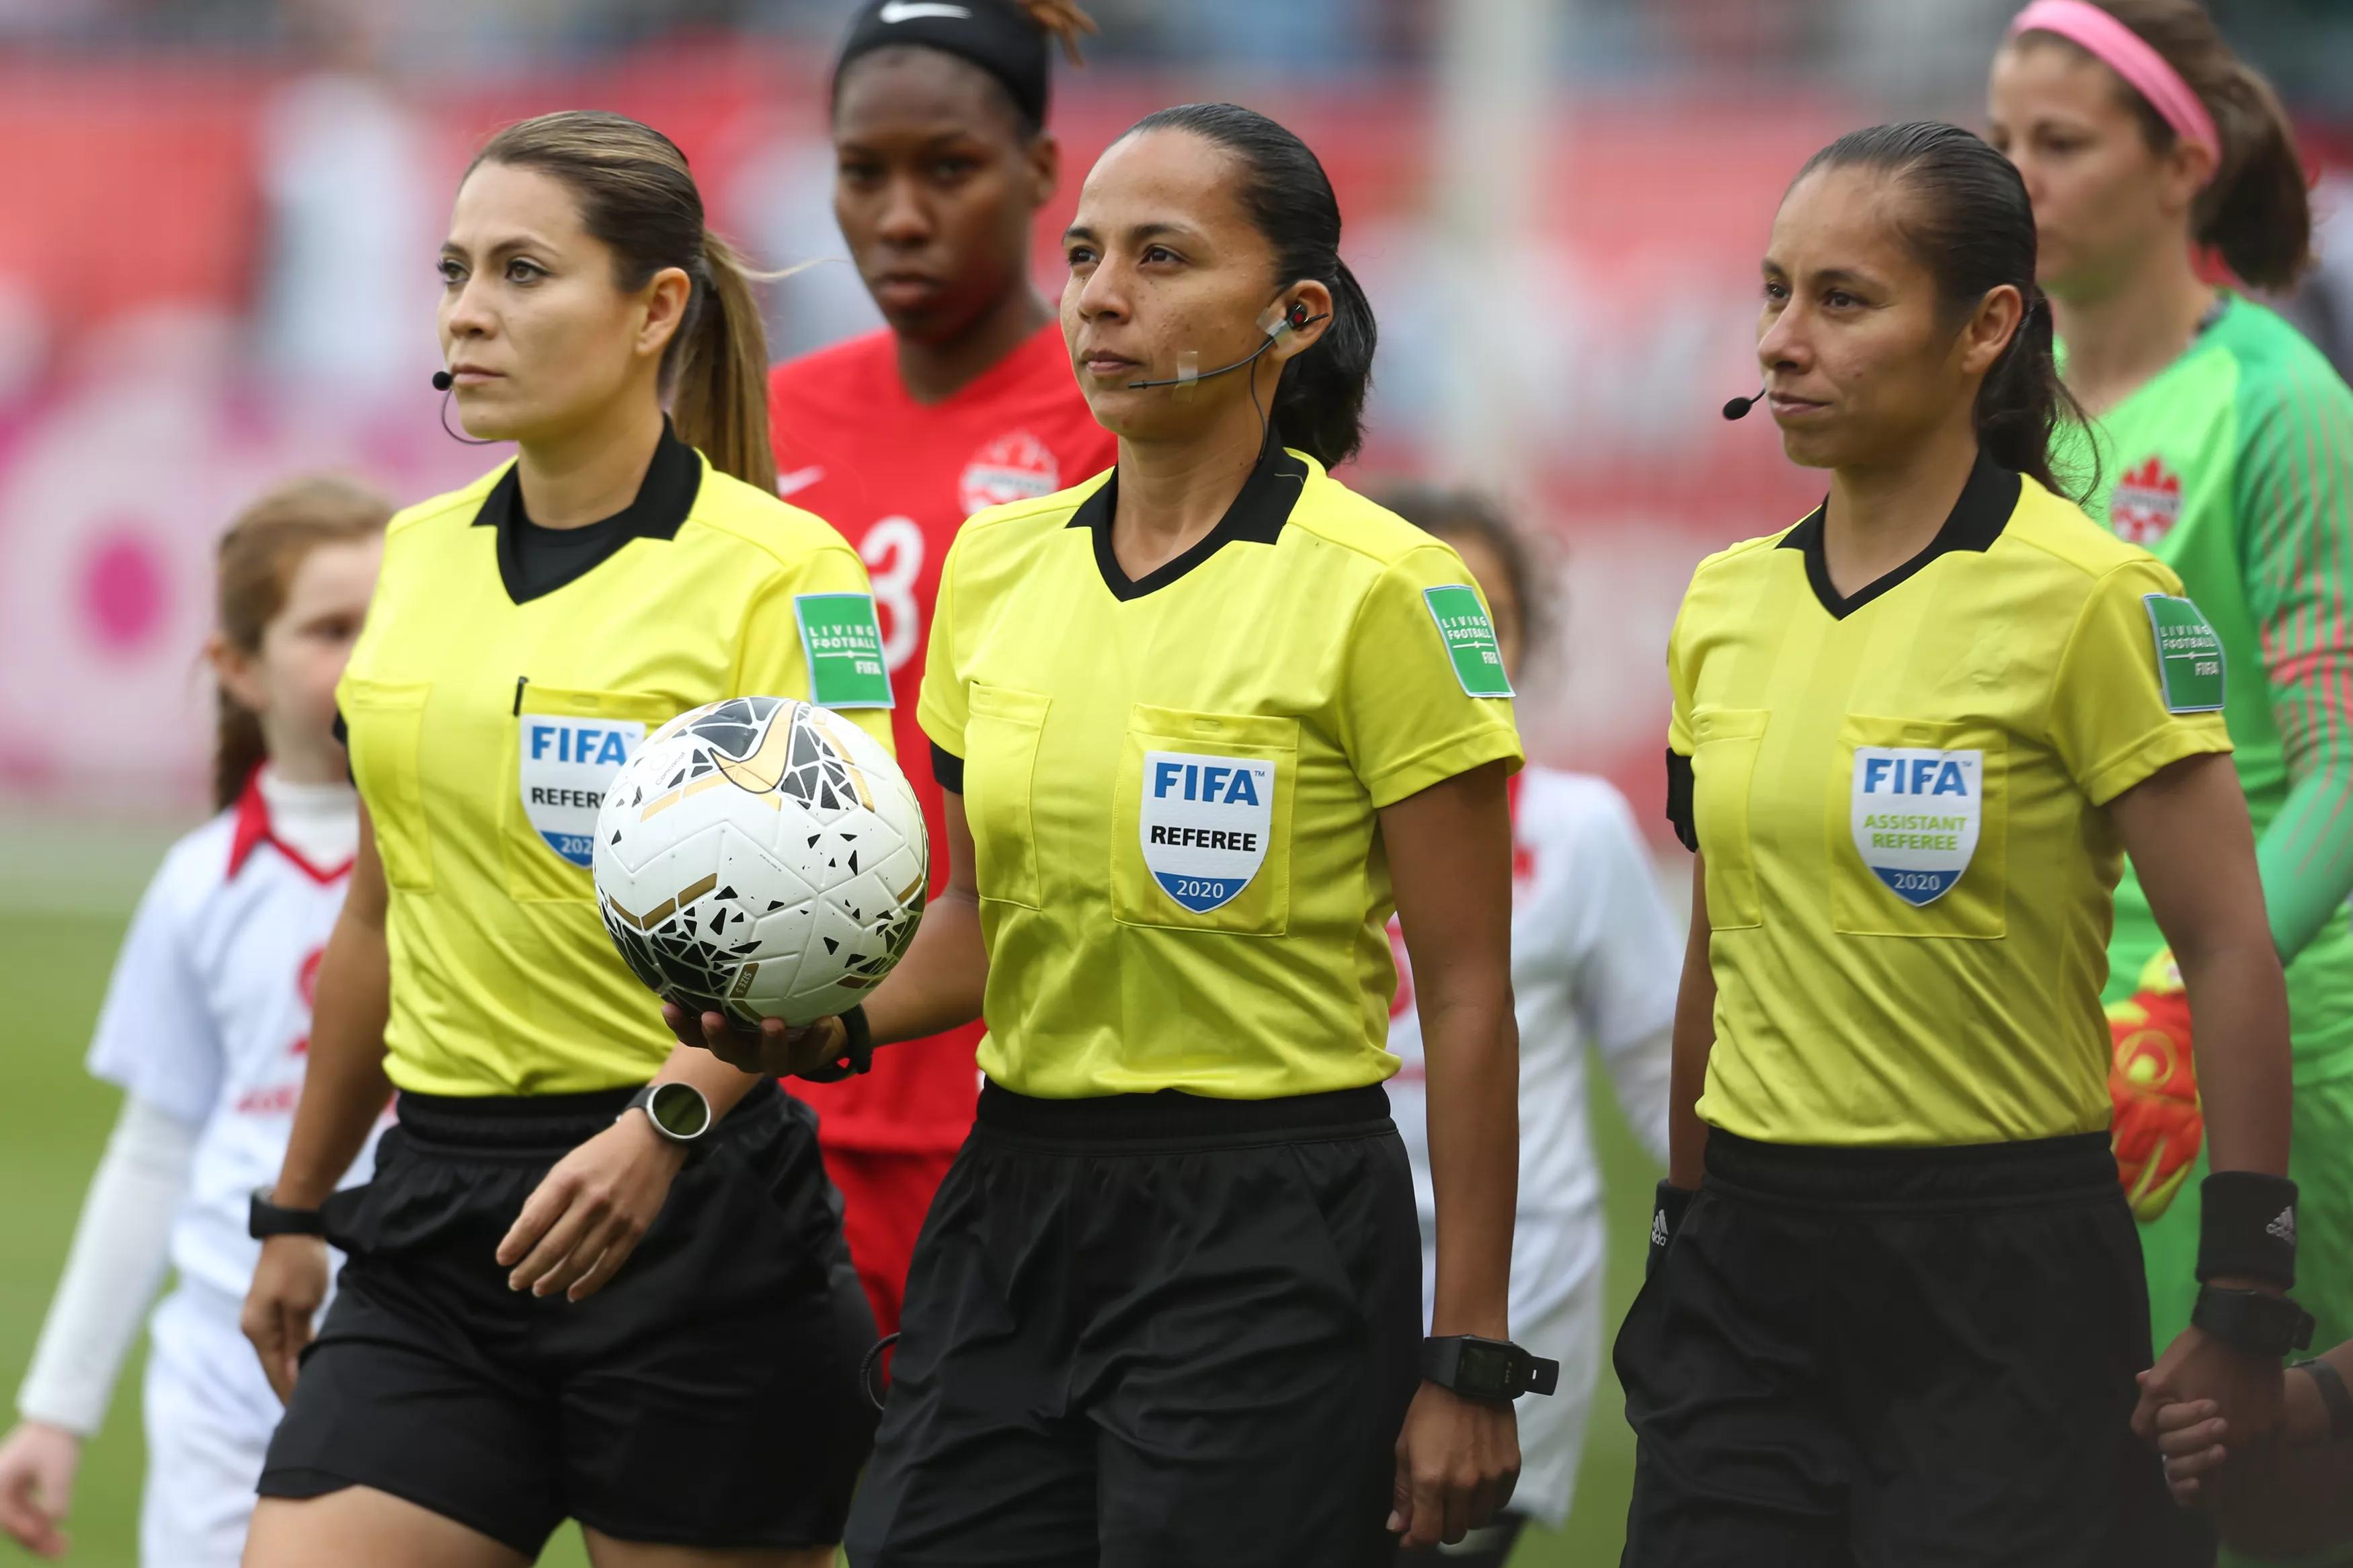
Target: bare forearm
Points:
(2238, 1005)
(721, 1086)
(1472, 1049)
(343, 1085)
(940, 983)
(1695, 1038)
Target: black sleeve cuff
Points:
(947, 768)
(1679, 800)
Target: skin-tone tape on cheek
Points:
(1188, 375)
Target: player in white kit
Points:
(1595, 962)
(205, 1027)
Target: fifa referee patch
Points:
(1469, 639)
(843, 644)
(2189, 655)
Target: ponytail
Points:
(2023, 402)
(721, 404)
(638, 198)
(2255, 211)
(1319, 402)
(1968, 221)
(258, 559)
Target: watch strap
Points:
(857, 1052)
(264, 1220)
(2252, 1321)
(2335, 1397)
(1442, 1364)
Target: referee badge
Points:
(1915, 814)
(1204, 824)
(562, 769)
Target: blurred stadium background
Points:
(217, 221)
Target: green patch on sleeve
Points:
(1469, 639)
(2189, 655)
(843, 644)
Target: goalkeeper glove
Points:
(2159, 1122)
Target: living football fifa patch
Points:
(1916, 813)
(563, 768)
(2189, 655)
(1203, 824)
(843, 644)
(1469, 639)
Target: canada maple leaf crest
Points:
(2147, 502)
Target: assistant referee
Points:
(1201, 722)
(1913, 737)
(526, 1331)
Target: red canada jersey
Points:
(898, 477)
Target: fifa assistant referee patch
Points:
(2189, 655)
(843, 644)
(1469, 639)
(1916, 813)
(1204, 824)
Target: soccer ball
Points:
(761, 857)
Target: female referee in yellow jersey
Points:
(1900, 1321)
(1201, 721)
(595, 1275)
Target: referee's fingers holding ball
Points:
(1457, 1462)
(777, 1050)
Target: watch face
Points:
(1483, 1367)
(679, 1110)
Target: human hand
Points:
(2153, 1083)
(778, 1050)
(588, 1214)
(282, 1302)
(37, 1465)
(1457, 1462)
(2247, 1391)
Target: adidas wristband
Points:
(2247, 1226)
(1666, 1218)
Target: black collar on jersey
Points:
(1976, 521)
(535, 561)
(1256, 517)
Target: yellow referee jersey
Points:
(483, 730)
(1172, 781)
(1899, 794)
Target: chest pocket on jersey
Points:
(1200, 832)
(1723, 765)
(386, 720)
(1918, 816)
(563, 751)
(1000, 736)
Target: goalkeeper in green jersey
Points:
(2224, 442)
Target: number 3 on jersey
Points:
(893, 552)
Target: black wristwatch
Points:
(2255, 1321)
(1486, 1369)
(678, 1110)
(264, 1220)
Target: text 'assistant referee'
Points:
(1204, 824)
(1916, 813)
(563, 769)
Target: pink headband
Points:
(2128, 55)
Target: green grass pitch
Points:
(53, 1123)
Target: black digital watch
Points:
(1479, 1368)
(2255, 1321)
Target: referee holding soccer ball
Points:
(572, 1291)
(1900, 1318)
(1201, 722)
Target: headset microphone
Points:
(1286, 322)
(442, 382)
(1739, 406)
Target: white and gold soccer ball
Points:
(761, 857)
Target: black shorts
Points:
(1916, 1358)
(706, 1396)
(1155, 1331)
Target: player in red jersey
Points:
(965, 400)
